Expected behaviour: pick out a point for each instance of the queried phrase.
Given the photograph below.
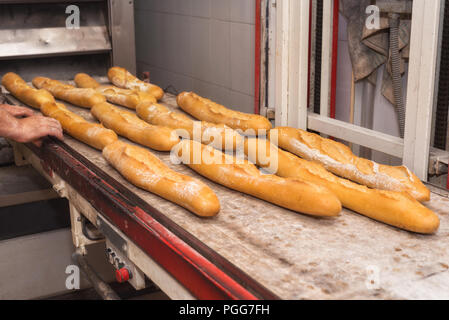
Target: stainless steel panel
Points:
(122, 31)
(30, 30)
(52, 41)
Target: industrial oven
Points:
(252, 249)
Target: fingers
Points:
(55, 129)
(27, 112)
(56, 132)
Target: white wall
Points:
(206, 46)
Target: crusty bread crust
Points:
(128, 125)
(160, 115)
(146, 171)
(124, 97)
(398, 209)
(122, 78)
(339, 159)
(207, 110)
(81, 97)
(92, 134)
(25, 93)
(293, 194)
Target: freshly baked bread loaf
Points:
(81, 97)
(124, 79)
(92, 134)
(146, 171)
(338, 159)
(25, 93)
(398, 209)
(123, 97)
(219, 136)
(207, 110)
(83, 80)
(293, 194)
(128, 125)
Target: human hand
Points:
(33, 128)
(17, 111)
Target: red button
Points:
(122, 275)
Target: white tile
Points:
(201, 8)
(243, 11)
(140, 27)
(183, 7)
(143, 4)
(242, 58)
(147, 41)
(241, 102)
(200, 48)
(221, 9)
(180, 45)
(170, 6)
(220, 53)
(165, 78)
(155, 39)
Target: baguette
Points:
(81, 97)
(219, 136)
(398, 209)
(124, 79)
(146, 171)
(128, 125)
(92, 134)
(338, 159)
(123, 97)
(25, 93)
(293, 194)
(207, 110)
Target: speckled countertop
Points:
(300, 257)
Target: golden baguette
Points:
(128, 125)
(398, 209)
(219, 136)
(339, 159)
(81, 97)
(207, 110)
(92, 134)
(124, 79)
(146, 171)
(25, 93)
(293, 194)
(123, 97)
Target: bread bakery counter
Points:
(254, 249)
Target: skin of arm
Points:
(29, 129)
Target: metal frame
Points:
(292, 62)
(121, 25)
(291, 21)
(178, 263)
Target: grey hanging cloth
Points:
(369, 49)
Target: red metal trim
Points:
(334, 59)
(200, 275)
(257, 55)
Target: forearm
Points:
(9, 125)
